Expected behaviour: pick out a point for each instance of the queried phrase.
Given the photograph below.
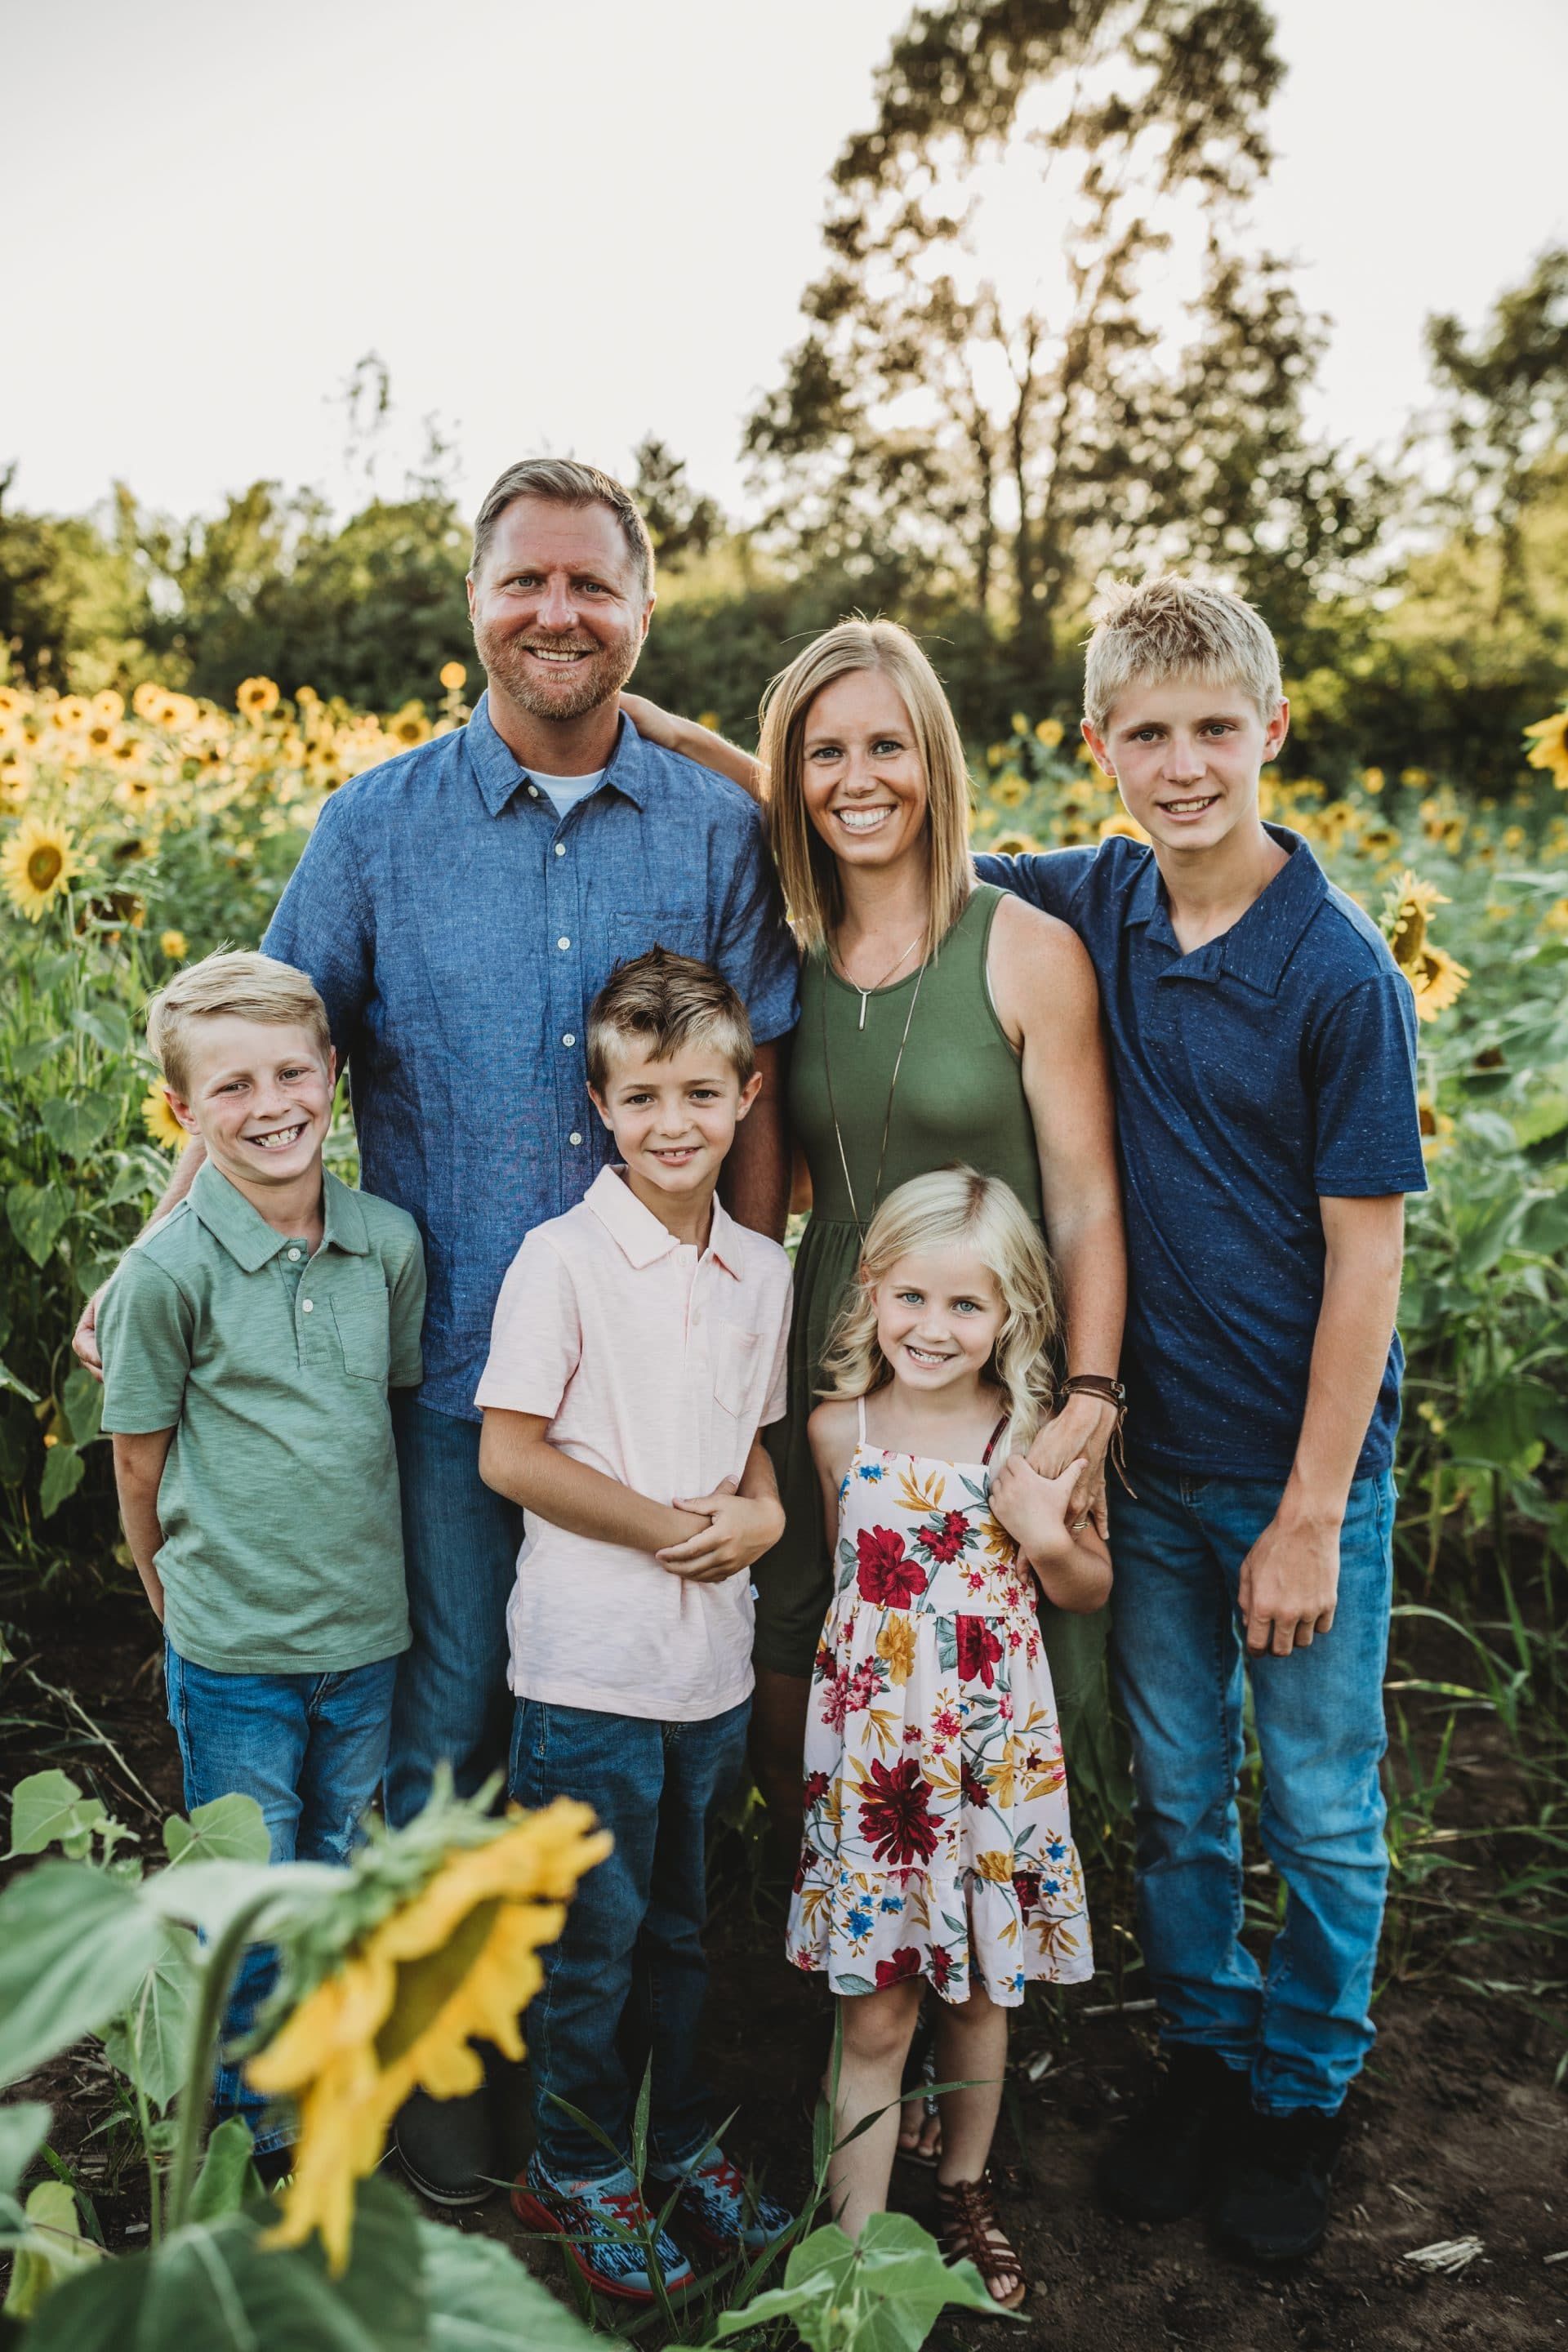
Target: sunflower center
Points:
(1410, 934)
(424, 1985)
(44, 865)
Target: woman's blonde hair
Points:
(807, 871)
(958, 1207)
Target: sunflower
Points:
(1010, 790)
(1406, 912)
(70, 713)
(410, 726)
(256, 697)
(1015, 845)
(1123, 824)
(1049, 732)
(455, 1962)
(36, 866)
(1372, 781)
(453, 676)
(1439, 982)
(160, 1121)
(175, 944)
(1437, 1127)
(109, 708)
(1552, 746)
(1555, 919)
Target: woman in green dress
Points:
(942, 1020)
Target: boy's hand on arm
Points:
(1290, 1580)
(138, 1473)
(1073, 1566)
(517, 1460)
(743, 1522)
(84, 1339)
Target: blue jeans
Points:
(626, 1982)
(310, 1749)
(460, 1544)
(1300, 2028)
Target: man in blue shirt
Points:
(1263, 1049)
(459, 909)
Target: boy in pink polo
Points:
(639, 1348)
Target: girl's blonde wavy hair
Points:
(958, 1207)
(808, 875)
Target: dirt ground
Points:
(1456, 2131)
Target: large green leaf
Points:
(151, 2043)
(209, 1895)
(1500, 1426)
(229, 1828)
(228, 2178)
(23, 2122)
(74, 1123)
(64, 1470)
(74, 1946)
(48, 1808)
(83, 1402)
(108, 1026)
(38, 1215)
(51, 2249)
(97, 2311)
(32, 1056)
(482, 2299)
(882, 2293)
(214, 2288)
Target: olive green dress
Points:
(960, 1097)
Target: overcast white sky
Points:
(564, 225)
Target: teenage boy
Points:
(1263, 1047)
(251, 1339)
(638, 1348)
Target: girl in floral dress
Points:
(938, 1847)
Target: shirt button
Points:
(533, 792)
(563, 942)
(573, 1136)
(293, 1254)
(306, 1304)
(561, 849)
(570, 1038)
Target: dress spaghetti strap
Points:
(991, 1443)
(860, 1417)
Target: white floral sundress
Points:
(936, 1839)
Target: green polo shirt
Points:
(282, 1549)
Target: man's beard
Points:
(593, 683)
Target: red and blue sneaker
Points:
(720, 2207)
(607, 2231)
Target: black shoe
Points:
(1274, 2195)
(447, 2147)
(1164, 2160)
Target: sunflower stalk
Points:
(216, 1984)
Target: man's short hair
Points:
(1170, 629)
(663, 1002)
(566, 484)
(248, 987)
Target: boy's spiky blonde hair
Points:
(661, 1004)
(1168, 628)
(248, 986)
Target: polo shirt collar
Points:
(1257, 948)
(244, 1233)
(498, 775)
(640, 1236)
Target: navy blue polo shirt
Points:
(1271, 1066)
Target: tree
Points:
(681, 521)
(933, 429)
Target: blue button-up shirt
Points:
(458, 931)
(1271, 1066)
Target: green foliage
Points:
(882, 2291)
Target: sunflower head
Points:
(1405, 914)
(256, 697)
(36, 866)
(453, 676)
(409, 726)
(435, 1944)
(160, 1121)
(1122, 824)
(1437, 979)
(1049, 732)
(1549, 742)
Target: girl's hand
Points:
(1035, 1510)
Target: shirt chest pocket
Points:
(736, 1356)
(365, 1334)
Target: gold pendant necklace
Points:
(864, 993)
(893, 1089)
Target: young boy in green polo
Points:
(249, 1341)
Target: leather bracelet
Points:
(1109, 1391)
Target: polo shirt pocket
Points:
(364, 1325)
(735, 1364)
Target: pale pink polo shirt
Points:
(659, 1367)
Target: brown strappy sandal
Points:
(968, 2230)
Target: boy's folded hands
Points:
(740, 1528)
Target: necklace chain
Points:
(893, 1089)
(874, 985)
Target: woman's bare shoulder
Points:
(1037, 959)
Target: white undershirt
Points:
(565, 792)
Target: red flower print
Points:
(941, 1966)
(887, 1575)
(946, 1723)
(972, 1788)
(895, 1818)
(946, 1537)
(816, 1787)
(905, 1963)
(1027, 1887)
(978, 1651)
